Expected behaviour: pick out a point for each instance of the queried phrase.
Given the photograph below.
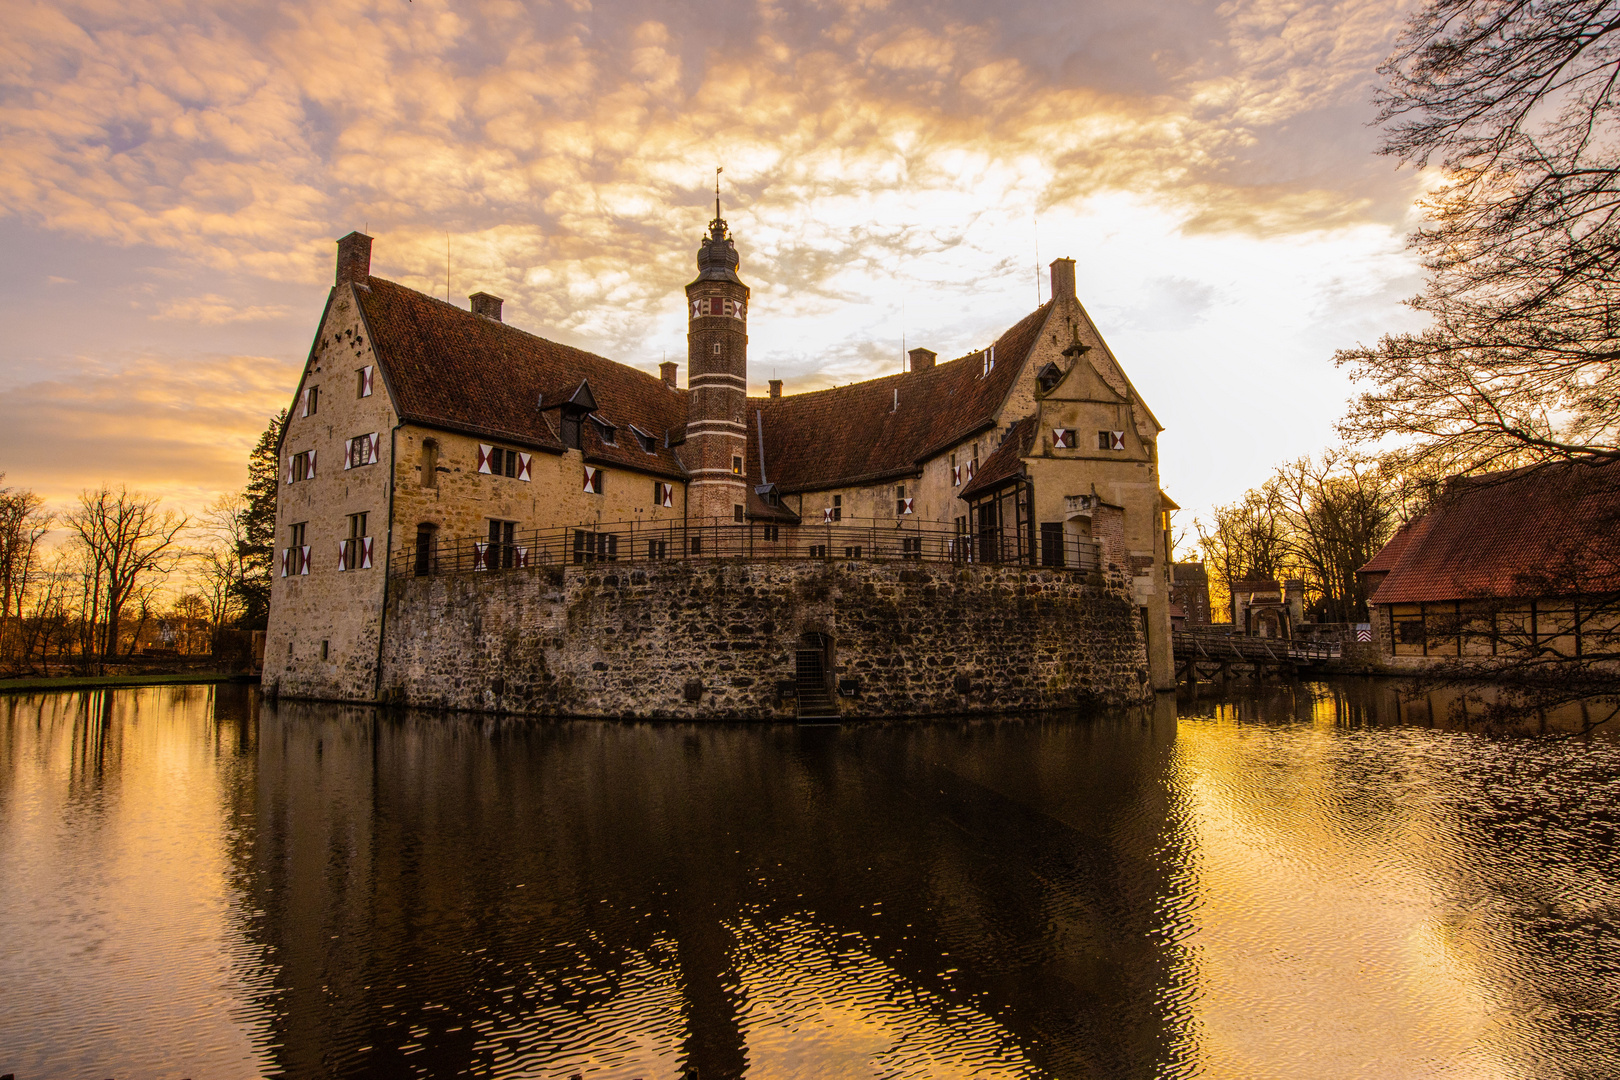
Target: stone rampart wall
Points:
(714, 640)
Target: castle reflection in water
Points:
(1281, 884)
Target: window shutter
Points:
(348, 454)
(366, 374)
(343, 554)
(303, 402)
(479, 547)
(284, 553)
(365, 553)
(1119, 439)
(1063, 438)
(523, 556)
(956, 476)
(971, 469)
(484, 453)
(593, 480)
(375, 448)
(826, 516)
(523, 467)
(289, 468)
(906, 506)
(667, 495)
(311, 465)
(305, 568)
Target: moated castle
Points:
(474, 517)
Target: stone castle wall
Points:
(714, 640)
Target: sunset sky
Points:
(173, 176)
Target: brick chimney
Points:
(776, 388)
(1063, 279)
(666, 371)
(354, 259)
(486, 305)
(921, 358)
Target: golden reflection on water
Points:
(1278, 885)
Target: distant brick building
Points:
(1509, 564)
(1189, 593)
(426, 438)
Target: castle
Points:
(471, 516)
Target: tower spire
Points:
(717, 227)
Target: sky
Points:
(173, 177)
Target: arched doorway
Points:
(812, 668)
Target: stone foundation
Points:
(715, 640)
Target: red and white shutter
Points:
(666, 494)
(1063, 438)
(375, 448)
(523, 467)
(905, 506)
(311, 475)
(349, 454)
(303, 402)
(366, 375)
(479, 548)
(485, 452)
(972, 467)
(1118, 440)
(343, 554)
(304, 569)
(523, 556)
(956, 476)
(365, 553)
(593, 480)
(826, 516)
(289, 468)
(285, 552)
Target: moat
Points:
(196, 882)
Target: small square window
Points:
(717, 348)
(736, 465)
(737, 513)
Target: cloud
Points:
(215, 310)
(177, 429)
(890, 170)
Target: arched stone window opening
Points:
(430, 463)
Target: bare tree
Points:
(1337, 511)
(220, 567)
(128, 540)
(24, 522)
(1517, 103)
(1245, 540)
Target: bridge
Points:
(1202, 655)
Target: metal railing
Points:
(639, 542)
(1213, 645)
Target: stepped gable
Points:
(1541, 531)
(448, 368)
(852, 435)
(1006, 463)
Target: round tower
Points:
(717, 377)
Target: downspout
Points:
(759, 429)
(388, 556)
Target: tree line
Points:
(124, 566)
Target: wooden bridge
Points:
(1205, 656)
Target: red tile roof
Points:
(448, 368)
(1543, 531)
(1006, 463)
(857, 434)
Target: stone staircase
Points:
(810, 691)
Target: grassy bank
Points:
(101, 682)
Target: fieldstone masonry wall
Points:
(714, 640)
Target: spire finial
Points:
(718, 169)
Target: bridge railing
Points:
(639, 542)
(1229, 646)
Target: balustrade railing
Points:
(638, 542)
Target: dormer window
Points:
(1049, 377)
(647, 443)
(605, 431)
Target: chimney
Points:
(354, 259)
(666, 371)
(776, 388)
(486, 305)
(921, 358)
(1063, 279)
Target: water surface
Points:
(194, 883)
